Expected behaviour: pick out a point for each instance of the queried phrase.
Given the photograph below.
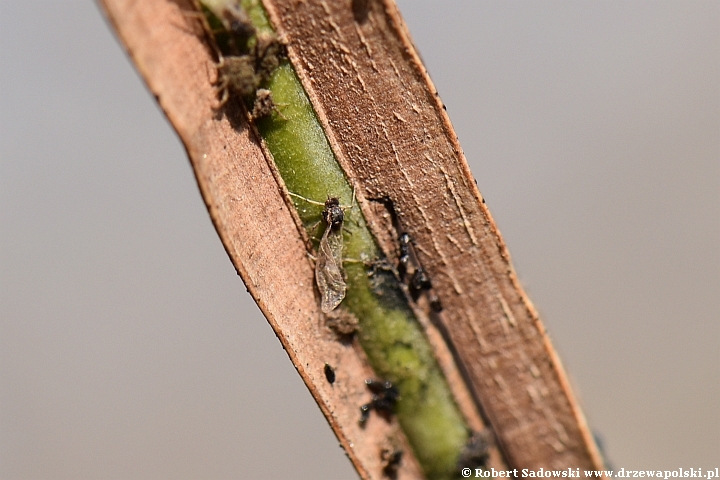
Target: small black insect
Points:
(476, 452)
(384, 398)
(329, 374)
(419, 280)
(390, 459)
(239, 27)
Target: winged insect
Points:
(329, 272)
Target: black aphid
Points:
(384, 398)
(239, 27)
(391, 459)
(476, 452)
(419, 281)
(329, 374)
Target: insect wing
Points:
(328, 270)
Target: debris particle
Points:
(236, 76)
(267, 53)
(342, 322)
(247, 59)
(264, 105)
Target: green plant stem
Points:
(392, 338)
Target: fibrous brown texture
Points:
(254, 222)
(389, 131)
(388, 128)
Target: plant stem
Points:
(390, 335)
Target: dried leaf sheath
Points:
(252, 219)
(177, 67)
(388, 128)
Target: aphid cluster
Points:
(410, 269)
(384, 398)
(247, 59)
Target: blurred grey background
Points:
(129, 348)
